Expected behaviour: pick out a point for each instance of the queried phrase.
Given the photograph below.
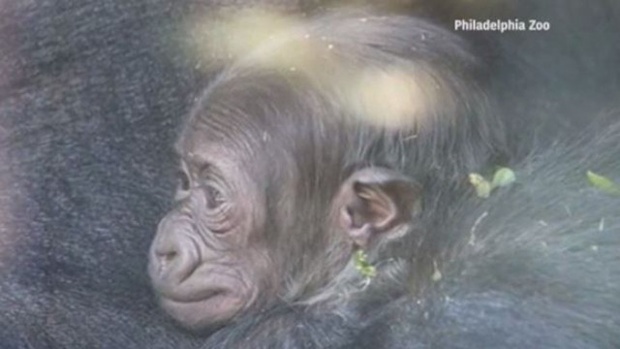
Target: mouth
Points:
(207, 297)
(214, 308)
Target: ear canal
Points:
(374, 207)
(356, 219)
(377, 202)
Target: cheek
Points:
(263, 273)
(250, 215)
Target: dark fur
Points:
(91, 95)
(540, 272)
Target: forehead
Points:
(202, 142)
(248, 112)
(225, 126)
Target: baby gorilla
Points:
(334, 137)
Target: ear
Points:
(375, 202)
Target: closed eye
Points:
(215, 198)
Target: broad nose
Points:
(174, 255)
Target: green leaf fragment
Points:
(603, 183)
(482, 186)
(362, 265)
(503, 177)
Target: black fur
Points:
(532, 266)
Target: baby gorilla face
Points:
(202, 264)
(287, 172)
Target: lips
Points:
(203, 283)
(216, 308)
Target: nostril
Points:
(168, 256)
(164, 259)
(172, 259)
